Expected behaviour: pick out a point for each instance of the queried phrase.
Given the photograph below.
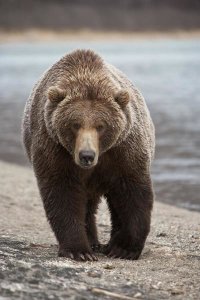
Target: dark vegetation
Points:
(100, 14)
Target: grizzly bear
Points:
(88, 133)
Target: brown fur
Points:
(83, 105)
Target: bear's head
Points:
(86, 126)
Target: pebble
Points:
(137, 295)
(176, 292)
(95, 273)
(161, 234)
(109, 267)
(157, 285)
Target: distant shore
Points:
(36, 35)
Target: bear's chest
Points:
(101, 179)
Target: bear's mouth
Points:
(86, 167)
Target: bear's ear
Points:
(122, 98)
(55, 94)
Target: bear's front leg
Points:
(65, 210)
(132, 202)
(65, 207)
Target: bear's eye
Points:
(76, 126)
(100, 128)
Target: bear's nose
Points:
(86, 157)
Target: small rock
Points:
(157, 286)
(34, 281)
(129, 283)
(161, 234)
(94, 273)
(109, 267)
(138, 295)
(33, 245)
(177, 291)
(193, 236)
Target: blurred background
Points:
(156, 43)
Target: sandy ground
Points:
(29, 267)
(39, 35)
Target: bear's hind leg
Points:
(91, 227)
(115, 220)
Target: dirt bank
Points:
(29, 267)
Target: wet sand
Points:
(166, 71)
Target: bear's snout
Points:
(86, 158)
(87, 148)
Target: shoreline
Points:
(37, 35)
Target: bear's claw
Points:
(78, 256)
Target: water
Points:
(167, 73)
